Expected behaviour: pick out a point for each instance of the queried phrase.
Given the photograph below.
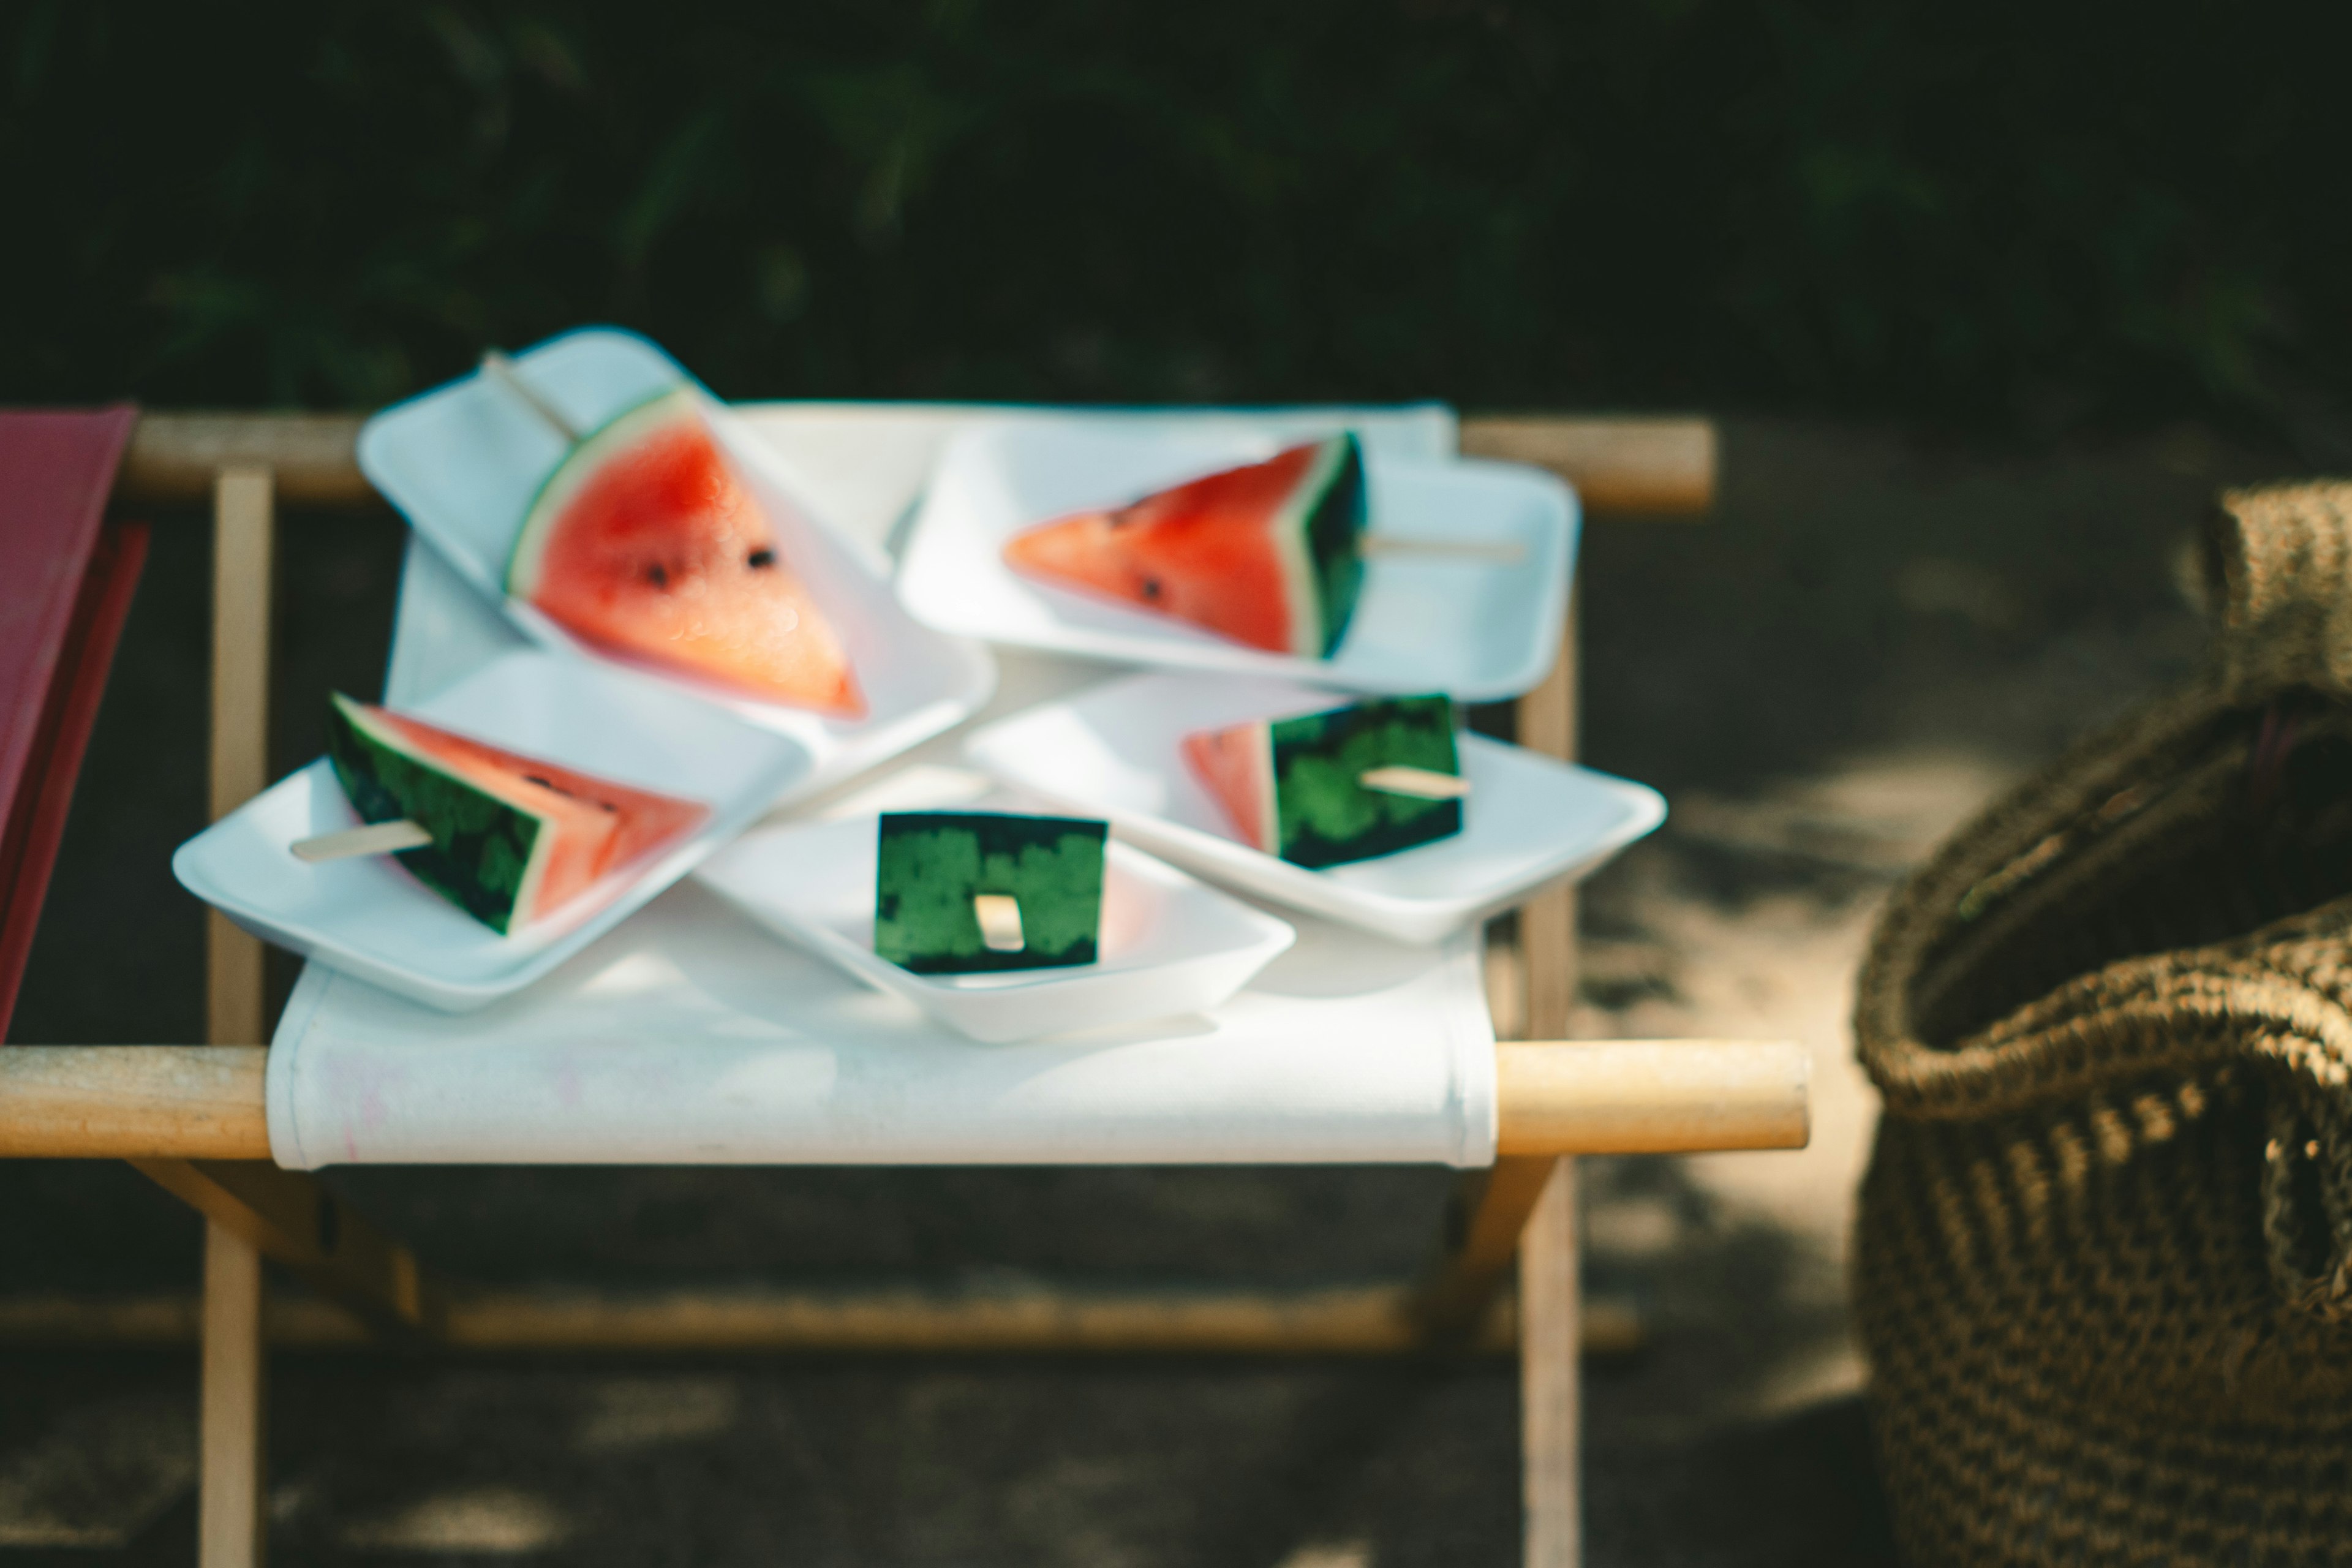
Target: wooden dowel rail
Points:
(1627, 464)
(1635, 466)
(1339, 1320)
(132, 1102)
(312, 458)
(1651, 1097)
(1592, 1097)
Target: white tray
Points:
(1113, 751)
(1479, 631)
(1169, 945)
(463, 462)
(369, 917)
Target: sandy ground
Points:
(1873, 634)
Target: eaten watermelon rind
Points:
(579, 467)
(489, 856)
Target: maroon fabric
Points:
(62, 601)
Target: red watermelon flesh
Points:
(600, 826)
(515, 838)
(645, 540)
(1236, 765)
(1267, 554)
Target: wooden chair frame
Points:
(192, 1118)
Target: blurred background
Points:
(2024, 218)
(1988, 302)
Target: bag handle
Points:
(2280, 560)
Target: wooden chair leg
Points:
(1551, 1335)
(243, 563)
(288, 1218)
(1490, 1214)
(231, 1530)
(231, 1429)
(1551, 1332)
(1550, 1339)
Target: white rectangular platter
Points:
(369, 917)
(1114, 751)
(1169, 945)
(463, 462)
(1478, 628)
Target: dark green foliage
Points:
(2014, 211)
(482, 846)
(1335, 539)
(1325, 818)
(931, 864)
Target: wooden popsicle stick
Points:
(1501, 551)
(1423, 784)
(375, 838)
(502, 372)
(1000, 922)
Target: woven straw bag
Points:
(2104, 1268)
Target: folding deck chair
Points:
(192, 1118)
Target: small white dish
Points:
(1113, 751)
(1479, 629)
(1169, 945)
(368, 916)
(463, 462)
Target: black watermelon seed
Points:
(761, 557)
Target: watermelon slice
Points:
(930, 865)
(514, 838)
(644, 540)
(1270, 554)
(1291, 786)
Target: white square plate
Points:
(1114, 751)
(1169, 945)
(369, 917)
(1477, 629)
(464, 461)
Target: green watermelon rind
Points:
(1325, 817)
(1334, 531)
(488, 856)
(930, 865)
(1316, 537)
(581, 464)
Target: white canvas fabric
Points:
(690, 1035)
